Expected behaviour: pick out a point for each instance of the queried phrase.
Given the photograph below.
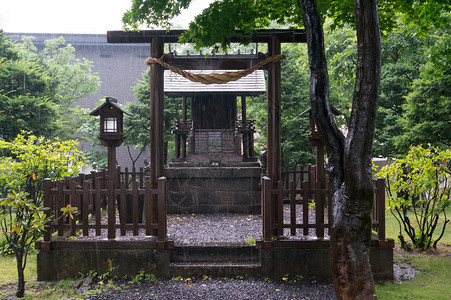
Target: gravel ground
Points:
(223, 289)
(219, 228)
(186, 229)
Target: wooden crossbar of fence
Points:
(300, 201)
(107, 206)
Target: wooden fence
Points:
(99, 198)
(307, 204)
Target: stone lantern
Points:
(111, 129)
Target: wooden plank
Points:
(148, 207)
(85, 206)
(73, 203)
(305, 207)
(156, 120)
(267, 208)
(162, 215)
(280, 196)
(98, 203)
(111, 211)
(135, 207)
(123, 207)
(319, 210)
(380, 200)
(293, 205)
(48, 205)
(172, 36)
(141, 178)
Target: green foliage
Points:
(418, 194)
(428, 105)
(38, 90)
(24, 164)
(137, 127)
(28, 160)
(5, 247)
(250, 241)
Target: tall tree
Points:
(39, 90)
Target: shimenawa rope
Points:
(218, 78)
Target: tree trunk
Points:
(20, 274)
(349, 165)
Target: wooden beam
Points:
(214, 62)
(273, 126)
(172, 36)
(156, 123)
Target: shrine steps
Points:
(226, 260)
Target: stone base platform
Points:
(214, 189)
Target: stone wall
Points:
(214, 190)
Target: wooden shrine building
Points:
(214, 136)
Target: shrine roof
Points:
(250, 85)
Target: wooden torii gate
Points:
(157, 39)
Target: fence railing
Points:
(299, 201)
(107, 206)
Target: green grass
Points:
(434, 282)
(392, 227)
(8, 269)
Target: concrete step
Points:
(214, 269)
(218, 254)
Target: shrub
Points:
(418, 194)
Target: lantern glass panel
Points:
(110, 125)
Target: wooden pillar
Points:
(112, 163)
(184, 109)
(156, 122)
(273, 127)
(245, 133)
(183, 135)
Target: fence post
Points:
(123, 205)
(380, 201)
(293, 204)
(162, 209)
(97, 207)
(148, 207)
(111, 211)
(49, 206)
(267, 209)
(85, 207)
(280, 195)
(319, 210)
(135, 205)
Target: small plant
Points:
(5, 248)
(250, 240)
(142, 275)
(311, 204)
(177, 278)
(239, 277)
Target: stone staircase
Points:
(223, 260)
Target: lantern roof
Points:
(109, 102)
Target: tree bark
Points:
(20, 274)
(349, 164)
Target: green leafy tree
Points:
(419, 192)
(39, 90)
(24, 164)
(427, 109)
